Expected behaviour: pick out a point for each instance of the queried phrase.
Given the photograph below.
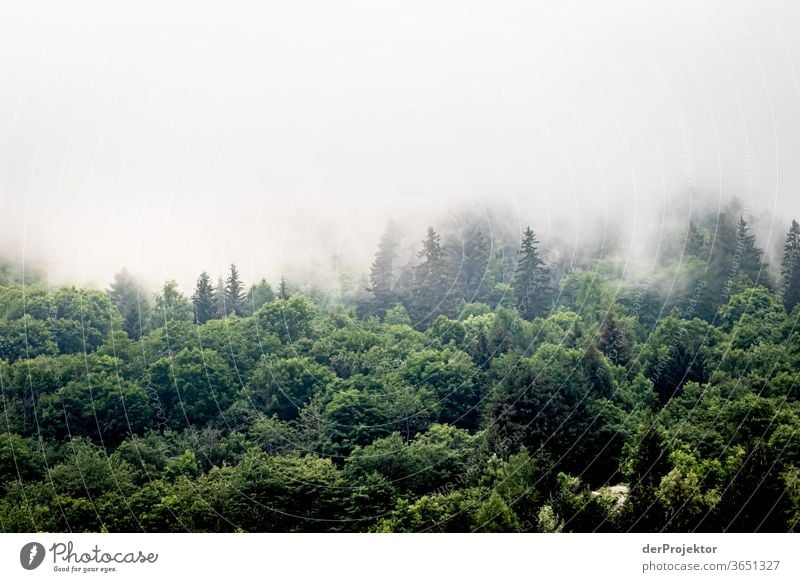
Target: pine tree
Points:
(234, 292)
(531, 279)
(646, 467)
(476, 279)
(203, 299)
(695, 242)
(430, 294)
(749, 254)
(613, 341)
(220, 303)
(721, 271)
(597, 373)
(283, 290)
(132, 303)
(790, 267)
(381, 274)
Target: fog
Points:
(283, 135)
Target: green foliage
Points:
(289, 319)
(282, 386)
(131, 301)
(101, 406)
(193, 386)
(171, 305)
(666, 404)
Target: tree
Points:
(613, 341)
(476, 278)
(203, 299)
(531, 279)
(431, 294)
(450, 375)
(356, 417)
(676, 352)
(259, 294)
(648, 462)
(132, 303)
(695, 244)
(18, 459)
(790, 267)
(171, 305)
(284, 493)
(283, 289)
(80, 319)
(721, 270)
(541, 402)
(102, 407)
(749, 255)
(234, 292)
(282, 386)
(193, 386)
(381, 274)
(25, 338)
(289, 319)
(220, 304)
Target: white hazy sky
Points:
(176, 137)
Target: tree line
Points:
(480, 388)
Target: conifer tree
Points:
(476, 279)
(613, 341)
(721, 271)
(283, 290)
(430, 294)
(132, 303)
(220, 303)
(531, 279)
(203, 299)
(381, 274)
(790, 267)
(695, 243)
(749, 254)
(234, 292)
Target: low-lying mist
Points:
(285, 138)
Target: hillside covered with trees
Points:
(481, 388)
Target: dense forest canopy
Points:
(481, 387)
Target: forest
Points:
(481, 387)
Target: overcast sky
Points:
(283, 134)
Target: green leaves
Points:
(193, 387)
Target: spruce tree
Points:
(721, 271)
(749, 254)
(220, 303)
(790, 267)
(613, 341)
(695, 243)
(476, 280)
(381, 272)
(203, 299)
(531, 279)
(430, 294)
(283, 290)
(132, 303)
(646, 467)
(234, 292)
